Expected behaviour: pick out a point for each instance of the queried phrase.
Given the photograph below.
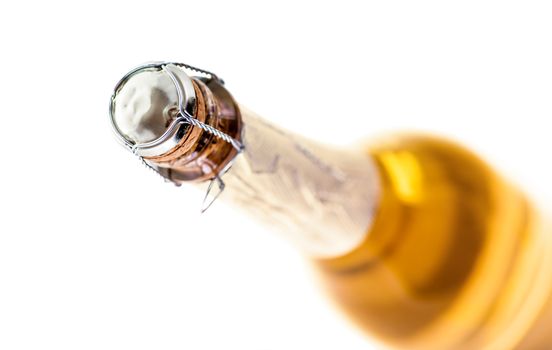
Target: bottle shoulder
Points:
(445, 236)
(425, 174)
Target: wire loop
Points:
(183, 117)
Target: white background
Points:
(98, 253)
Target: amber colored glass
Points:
(442, 253)
(457, 258)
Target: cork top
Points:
(145, 104)
(178, 119)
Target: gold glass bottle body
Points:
(456, 258)
(420, 242)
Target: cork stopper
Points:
(183, 125)
(145, 104)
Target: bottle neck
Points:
(323, 199)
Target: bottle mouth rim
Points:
(186, 104)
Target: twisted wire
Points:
(134, 150)
(211, 130)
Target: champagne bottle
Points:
(418, 240)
